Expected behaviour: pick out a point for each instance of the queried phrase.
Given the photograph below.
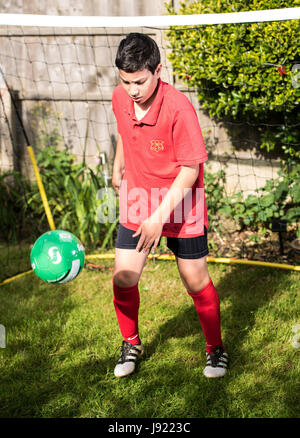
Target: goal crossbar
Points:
(147, 21)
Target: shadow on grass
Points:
(83, 383)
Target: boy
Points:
(158, 173)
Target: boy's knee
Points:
(125, 278)
(196, 285)
(194, 276)
(195, 281)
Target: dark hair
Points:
(137, 52)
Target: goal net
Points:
(240, 70)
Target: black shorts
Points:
(184, 248)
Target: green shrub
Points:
(243, 71)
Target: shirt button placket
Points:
(134, 136)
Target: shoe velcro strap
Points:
(135, 349)
(219, 365)
(222, 362)
(130, 357)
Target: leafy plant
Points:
(71, 188)
(214, 194)
(278, 199)
(72, 195)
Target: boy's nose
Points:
(134, 91)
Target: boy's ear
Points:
(158, 70)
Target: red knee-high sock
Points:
(127, 302)
(207, 306)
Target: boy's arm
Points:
(151, 229)
(118, 167)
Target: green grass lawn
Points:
(62, 343)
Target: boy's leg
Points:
(193, 272)
(195, 277)
(128, 267)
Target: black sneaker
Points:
(216, 363)
(129, 355)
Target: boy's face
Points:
(141, 85)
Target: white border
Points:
(148, 21)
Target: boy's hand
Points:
(150, 232)
(116, 180)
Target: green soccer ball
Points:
(57, 256)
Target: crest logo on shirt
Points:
(157, 145)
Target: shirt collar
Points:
(152, 115)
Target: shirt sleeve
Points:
(189, 147)
(115, 106)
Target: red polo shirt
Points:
(155, 148)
